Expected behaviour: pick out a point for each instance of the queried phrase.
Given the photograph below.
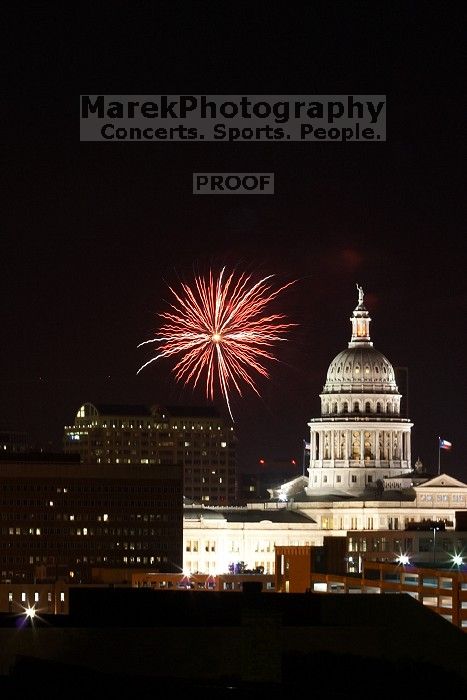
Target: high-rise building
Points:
(13, 441)
(62, 518)
(197, 438)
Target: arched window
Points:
(356, 407)
(378, 407)
(389, 408)
(367, 407)
(334, 407)
(345, 407)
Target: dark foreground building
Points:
(235, 644)
(60, 519)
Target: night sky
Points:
(92, 233)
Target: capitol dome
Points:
(360, 369)
(360, 379)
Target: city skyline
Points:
(95, 232)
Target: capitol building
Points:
(360, 440)
(360, 476)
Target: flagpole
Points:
(439, 455)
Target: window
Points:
(354, 479)
(338, 479)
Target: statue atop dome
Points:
(360, 295)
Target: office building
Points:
(196, 438)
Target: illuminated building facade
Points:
(217, 540)
(196, 438)
(61, 519)
(360, 439)
(360, 474)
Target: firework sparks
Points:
(222, 332)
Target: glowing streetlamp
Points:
(30, 612)
(403, 559)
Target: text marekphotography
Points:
(155, 118)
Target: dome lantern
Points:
(360, 321)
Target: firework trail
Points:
(222, 332)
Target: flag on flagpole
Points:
(444, 444)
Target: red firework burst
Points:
(220, 329)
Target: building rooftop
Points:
(122, 410)
(37, 456)
(193, 411)
(246, 515)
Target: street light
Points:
(403, 559)
(30, 612)
(434, 542)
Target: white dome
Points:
(360, 369)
